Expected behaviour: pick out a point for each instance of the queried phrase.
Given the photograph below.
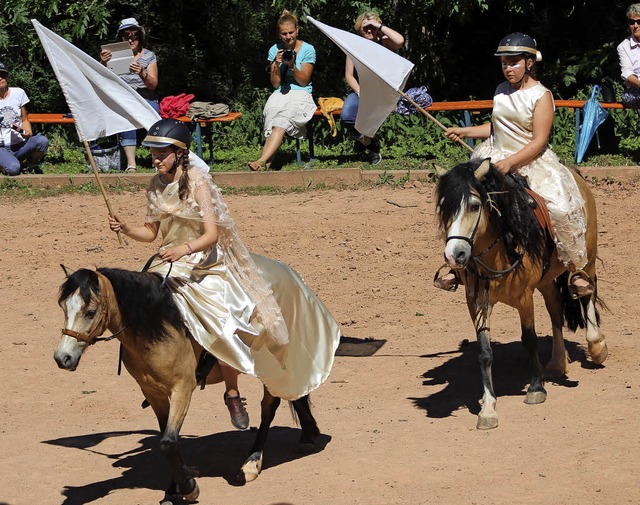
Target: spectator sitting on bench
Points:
(17, 141)
(290, 106)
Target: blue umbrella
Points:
(593, 115)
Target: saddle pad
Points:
(541, 212)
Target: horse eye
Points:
(91, 314)
(474, 207)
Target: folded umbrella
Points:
(593, 115)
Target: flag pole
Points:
(421, 109)
(100, 185)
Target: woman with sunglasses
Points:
(370, 26)
(142, 76)
(517, 139)
(629, 56)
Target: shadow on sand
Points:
(460, 375)
(217, 455)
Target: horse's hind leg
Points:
(310, 430)
(558, 365)
(253, 465)
(595, 336)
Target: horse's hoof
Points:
(598, 352)
(487, 422)
(306, 447)
(535, 397)
(193, 495)
(252, 467)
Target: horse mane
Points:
(511, 210)
(146, 304)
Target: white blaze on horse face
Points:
(72, 308)
(457, 251)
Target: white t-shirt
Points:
(11, 113)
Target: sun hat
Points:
(130, 23)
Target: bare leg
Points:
(130, 153)
(271, 146)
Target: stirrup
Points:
(437, 279)
(586, 291)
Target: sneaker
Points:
(237, 410)
(373, 149)
(37, 169)
(359, 147)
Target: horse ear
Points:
(483, 169)
(65, 269)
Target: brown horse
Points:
(160, 354)
(502, 254)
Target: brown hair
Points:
(183, 184)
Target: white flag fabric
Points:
(101, 103)
(381, 75)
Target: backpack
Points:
(419, 95)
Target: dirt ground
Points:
(398, 425)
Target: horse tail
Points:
(575, 311)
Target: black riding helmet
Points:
(518, 43)
(168, 132)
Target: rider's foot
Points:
(580, 284)
(237, 410)
(448, 282)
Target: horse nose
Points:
(461, 257)
(64, 361)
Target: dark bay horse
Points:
(160, 354)
(501, 254)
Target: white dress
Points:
(222, 316)
(512, 121)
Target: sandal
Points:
(131, 169)
(445, 282)
(577, 291)
(257, 166)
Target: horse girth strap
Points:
(541, 212)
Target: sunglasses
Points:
(634, 22)
(130, 36)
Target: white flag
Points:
(381, 75)
(101, 103)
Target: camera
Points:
(17, 128)
(287, 55)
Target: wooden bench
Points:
(200, 123)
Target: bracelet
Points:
(380, 29)
(189, 247)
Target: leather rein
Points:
(493, 273)
(94, 335)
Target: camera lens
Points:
(287, 55)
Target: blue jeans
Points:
(129, 138)
(349, 113)
(11, 156)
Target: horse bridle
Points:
(90, 338)
(495, 274)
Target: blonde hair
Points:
(366, 15)
(287, 17)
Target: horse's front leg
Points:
(171, 413)
(536, 392)
(488, 417)
(253, 465)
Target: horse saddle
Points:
(541, 212)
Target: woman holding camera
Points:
(290, 106)
(370, 26)
(142, 76)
